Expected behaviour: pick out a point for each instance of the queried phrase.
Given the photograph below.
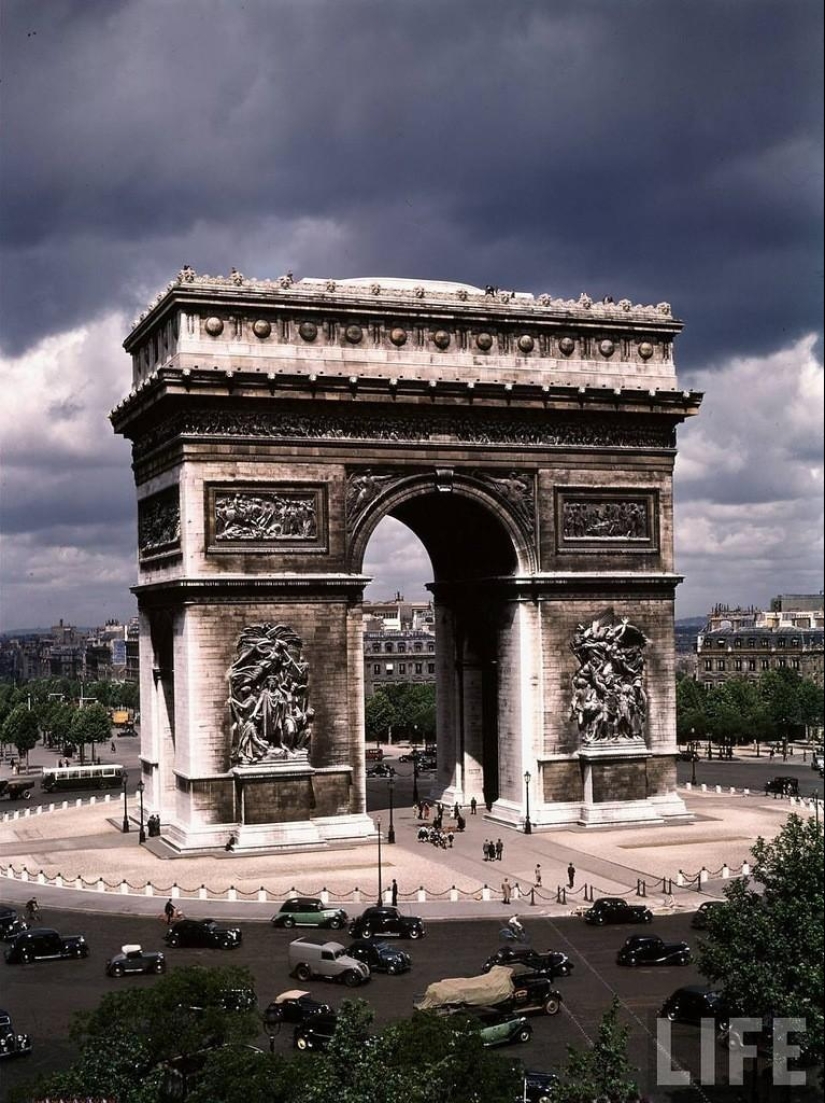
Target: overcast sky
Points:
(649, 149)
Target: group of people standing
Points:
(493, 850)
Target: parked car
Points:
(785, 786)
(547, 963)
(694, 1003)
(202, 932)
(539, 1087)
(493, 1027)
(374, 754)
(643, 950)
(16, 787)
(316, 1032)
(380, 769)
(380, 956)
(44, 944)
(609, 909)
(701, 916)
(381, 920)
(308, 911)
(329, 960)
(11, 924)
(12, 1044)
(295, 1006)
(507, 990)
(133, 959)
(427, 762)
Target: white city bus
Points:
(82, 777)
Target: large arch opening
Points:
(473, 554)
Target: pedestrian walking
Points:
(473, 806)
(537, 876)
(486, 850)
(394, 893)
(450, 838)
(169, 912)
(456, 810)
(506, 891)
(426, 811)
(114, 748)
(499, 849)
(571, 875)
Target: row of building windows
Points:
(400, 647)
(415, 668)
(781, 642)
(751, 664)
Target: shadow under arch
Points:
(476, 546)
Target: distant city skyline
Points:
(649, 151)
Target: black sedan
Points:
(702, 915)
(642, 950)
(133, 959)
(44, 944)
(202, 933)
(382, 920)
(612, 909)
(694, 1003)
(548, 963)
(295, 1006)
(380, 769)
(380, 956)
(316, 1032)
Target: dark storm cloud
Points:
(648, 150)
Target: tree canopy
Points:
(776, 706)
(20, 728)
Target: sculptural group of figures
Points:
(268, 696)
(264, 517)
(609, 702)
(626, 520)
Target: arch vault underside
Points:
(528, 444)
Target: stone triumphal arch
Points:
(528, 442)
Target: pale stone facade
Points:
(529, 443)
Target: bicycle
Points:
(33, 913)
(514, 934)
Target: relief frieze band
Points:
(159, 523)
(254, 517)
(489, 427)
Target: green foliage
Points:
(767, 953)
(408, 709)
(21, 729)
(91, 724)
(602, 1071)
(379, 716)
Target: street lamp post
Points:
(380, 872)
(125, 804)
(391, 831)
(142, 832)
(415, 777)
(528, 827)
(784, 739)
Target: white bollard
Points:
(175, 893)
(202, 892)
(92, 800)
(704, 787)
(746, 792)
(725, 872)
(41, 878)
(746, 869)
(58, 880)
(124, 887)
(422, 896)
(101, 887)
(232, 893)
(485, 893)
(453, 895)
(688, 785)
(261, 896)
(149, 889)
(718, 788)
(680, 879)
(704, 874)
(324, 896)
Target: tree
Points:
(380, 716)
(602, 1071)
(20, 728)
(766, 951)
(90, 724)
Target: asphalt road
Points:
(43, 997)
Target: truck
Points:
(504, 989)
(120, 717)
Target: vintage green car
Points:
(494, 1028)
(307, 911)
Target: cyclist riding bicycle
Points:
(516, 927)
(32, 910)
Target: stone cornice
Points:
(394, 297)
(220, 589)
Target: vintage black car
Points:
(547, 963)
(493, 1027)
(539, 1087)
(783, 786)
(44, 944)
(532, 993)
(295, 1006)
(699, 922)
(380, 956)
(694, 1003)
(16, 787)
(11, 924)
(612, 909)
(309, 911)
(644, 950)
(12, 1044)
(380, 769)
(688, 756)
(316, 1032)
(382, 920)
(133, 959)
(202, 932)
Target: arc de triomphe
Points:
(528, 442)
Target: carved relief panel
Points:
(602, 520)
(159, 524)
(609, 703)
(266, 517)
